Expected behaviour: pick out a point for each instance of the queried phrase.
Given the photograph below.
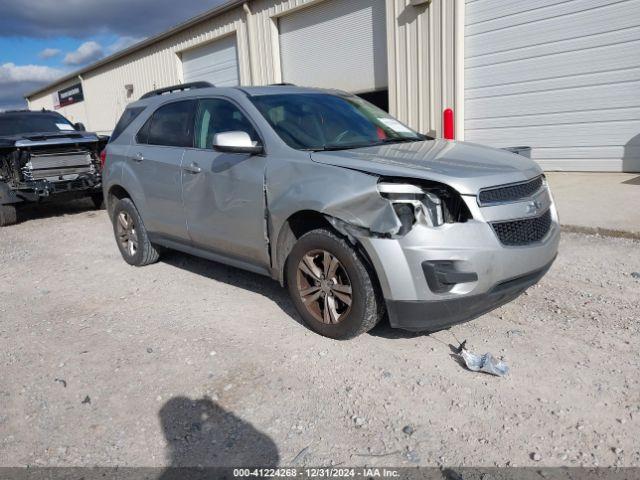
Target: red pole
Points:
(448, 125)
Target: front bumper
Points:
(36, 190)
(436, 315)
(490, 273)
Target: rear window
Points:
(171, 125)
(19, 123)
(128, 116)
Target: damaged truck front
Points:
(42, 156)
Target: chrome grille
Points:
(510, 193)
(523, 232)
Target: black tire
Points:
(98, 201)
(145, 253)
(366, 308)
(8, 215)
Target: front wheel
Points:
(131, 236)
(331, 287)
(8, 215)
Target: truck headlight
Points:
(412, 203)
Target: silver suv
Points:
(358, 215)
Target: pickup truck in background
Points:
(43, 156)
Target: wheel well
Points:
(115, 193)
(307, 220)
(296, 226)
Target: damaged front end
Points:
(406, 203)
(438, 258)
(32, 170)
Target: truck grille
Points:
(49, 165)
(510, 193)
(523, 232)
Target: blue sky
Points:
(41, 40)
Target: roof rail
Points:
(177, 88)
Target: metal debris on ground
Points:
(61, 381)
(482, 363)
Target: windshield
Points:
(24, 123)
(319, 121)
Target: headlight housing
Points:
(413, 204)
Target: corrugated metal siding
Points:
(560, 76)
(420, 57)
(215, 62)
(265, 48)
(310, 39)
(421, 61)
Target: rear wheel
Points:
(131, 236)
(331, 286)
(8, 215)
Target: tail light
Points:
(103, 158)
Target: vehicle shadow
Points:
(206, 441)
(53, 208)
(264, 286)
(384, 330)
(235, 277)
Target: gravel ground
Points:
(189, 362)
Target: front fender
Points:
(348, 195)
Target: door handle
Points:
(138, 158)
(193, 168)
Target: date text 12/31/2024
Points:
(316, 473)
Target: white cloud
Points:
(12, 73)
(86, 18)
(87, 52)
(122, 43)
(17, 80)
(49, 53)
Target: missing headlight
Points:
(407, 216)
(431, 202)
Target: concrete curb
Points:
(604, 232)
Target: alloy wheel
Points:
(324, 286)
(127, 234)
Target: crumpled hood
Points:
(466, 167)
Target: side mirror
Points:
(236, 142)
(79, 127)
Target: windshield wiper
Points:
(386, 141)
(333, 148)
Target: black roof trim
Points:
(177, 88)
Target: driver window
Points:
(218, 116)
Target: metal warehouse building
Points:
(561, 76)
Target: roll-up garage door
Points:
(215, 62)
(560, 76)
(336, 44)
